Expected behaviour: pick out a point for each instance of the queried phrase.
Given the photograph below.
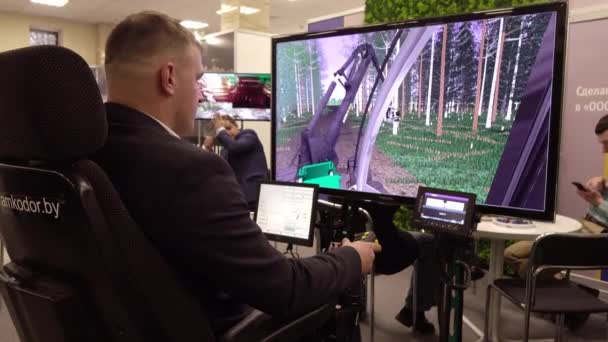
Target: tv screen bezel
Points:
(560, 9)
(237, 74)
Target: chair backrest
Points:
(81, 269)
(572, 251)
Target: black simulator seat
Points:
(81, 269)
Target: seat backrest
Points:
(572, 251)
(81, 269)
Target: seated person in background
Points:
(594, 222)
(243, 150)
(189, 203)
(428, 292)
(427, 273)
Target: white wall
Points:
(252, 54)
(580, 153)
(85, 39)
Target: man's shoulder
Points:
(250, 134)
(155, 150)
(182, 154)
(248, 131)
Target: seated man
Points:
(428, 275)
(595, 193)
(187, 201)
(243, 150)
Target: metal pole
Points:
(369, 226)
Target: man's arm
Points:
(599, 209)
(214, 237)
(246, 142)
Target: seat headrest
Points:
(50, 106)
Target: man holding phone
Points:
(595, 190)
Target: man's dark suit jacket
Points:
(245, 154)
(187, 201)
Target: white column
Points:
(245, 14)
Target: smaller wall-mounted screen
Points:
(242, 96)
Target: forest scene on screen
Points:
(452, 107)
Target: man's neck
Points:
(143, 111)
(150, 108)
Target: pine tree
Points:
(514, 81)
(499, 58)
(430, 88)
(442, 82)
(466, 63)
(479, 86)
(420, 87)
(496, 73)
(534, 29)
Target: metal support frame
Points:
(369, 226)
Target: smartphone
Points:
(580, 186)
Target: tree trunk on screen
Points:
(440, 108)
(403, 98)
(413, 103)
(395, 100)
(480, 72)
(295, 72)
(506, 90)
(312, 84)
(483, 82)
(420, 88)
(430, 89)
(304, 90)
(514, 81)
(502, 48)
(491, 115)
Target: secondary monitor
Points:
(468, 103)
(286, 212)
(445, 211)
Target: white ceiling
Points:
(286, 16)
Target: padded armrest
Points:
(260, 327)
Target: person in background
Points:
(427, 275)
(595, 193)
(243, 150)
(208, 143)
(427, 272)
(188, 203)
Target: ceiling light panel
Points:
(226, 9)
(246, 10)
(55, 3)
(193, 25)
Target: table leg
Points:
(1, 265)
(1, 253)
(199, 141)
(496, 270)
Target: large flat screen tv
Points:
(243, 96)
(468, 103)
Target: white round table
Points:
(498, 234)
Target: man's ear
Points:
(168, 79)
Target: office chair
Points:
(81, 269)
(559, 252)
